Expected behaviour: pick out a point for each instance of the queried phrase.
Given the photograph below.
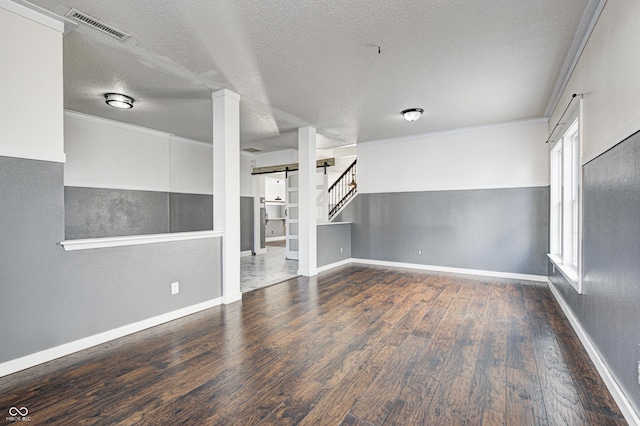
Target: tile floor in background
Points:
(266, 269)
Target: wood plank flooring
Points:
(355, 346)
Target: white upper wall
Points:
(246, 178)
(107, 154)
(191, 166)
(607, 74)
(31, 116)
(500, 156)
(275, 158)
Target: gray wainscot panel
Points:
(503, 230)
(191, 212)
(334, 243)
(99, 212)
(263, 220)
(609, 306)
(246, 223)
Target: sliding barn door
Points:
(292, 213)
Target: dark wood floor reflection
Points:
(357, 346)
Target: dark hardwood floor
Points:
(356, 346)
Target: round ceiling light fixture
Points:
(118, 100)
(412, 114)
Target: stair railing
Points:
(342, 190)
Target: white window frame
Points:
(565, 230)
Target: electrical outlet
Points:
(639, 372)
(175, 288)
(419, 251)
(340, 249)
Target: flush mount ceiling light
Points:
(118, 100)
(412, 114)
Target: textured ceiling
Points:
(466, 63)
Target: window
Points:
(565, 204)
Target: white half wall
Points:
(31, 118)
(501, 156)
(108, 154)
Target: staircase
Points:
(342, 190)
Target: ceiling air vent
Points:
(252, 150)
(93, 22)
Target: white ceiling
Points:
(308, 62)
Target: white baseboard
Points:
(494, 274)
(261, 251)
(231, 298)
(308, 272)
(47, 355)
(270, 239)
(32, 154)
(623, 402)
(334, 265)
(246, 253)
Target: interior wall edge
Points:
(618, 395)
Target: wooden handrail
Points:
(341, 191)
(342, 175)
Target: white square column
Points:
(226, 188)
(308, 230)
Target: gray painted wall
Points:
(52, 297)
(31, 264)
(246, 223)
(99, 212)
(609, 308)
(263, 219)
(275, 228)
(190, 212)
(332, 238)
(503, 230)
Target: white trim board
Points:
(132, 240)
(32, 154)
(623, 402)
(149, 188)
(39, 15)
(460, 188)
(617, 137)
(495, 274)
(47, 355)
(334, 265)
